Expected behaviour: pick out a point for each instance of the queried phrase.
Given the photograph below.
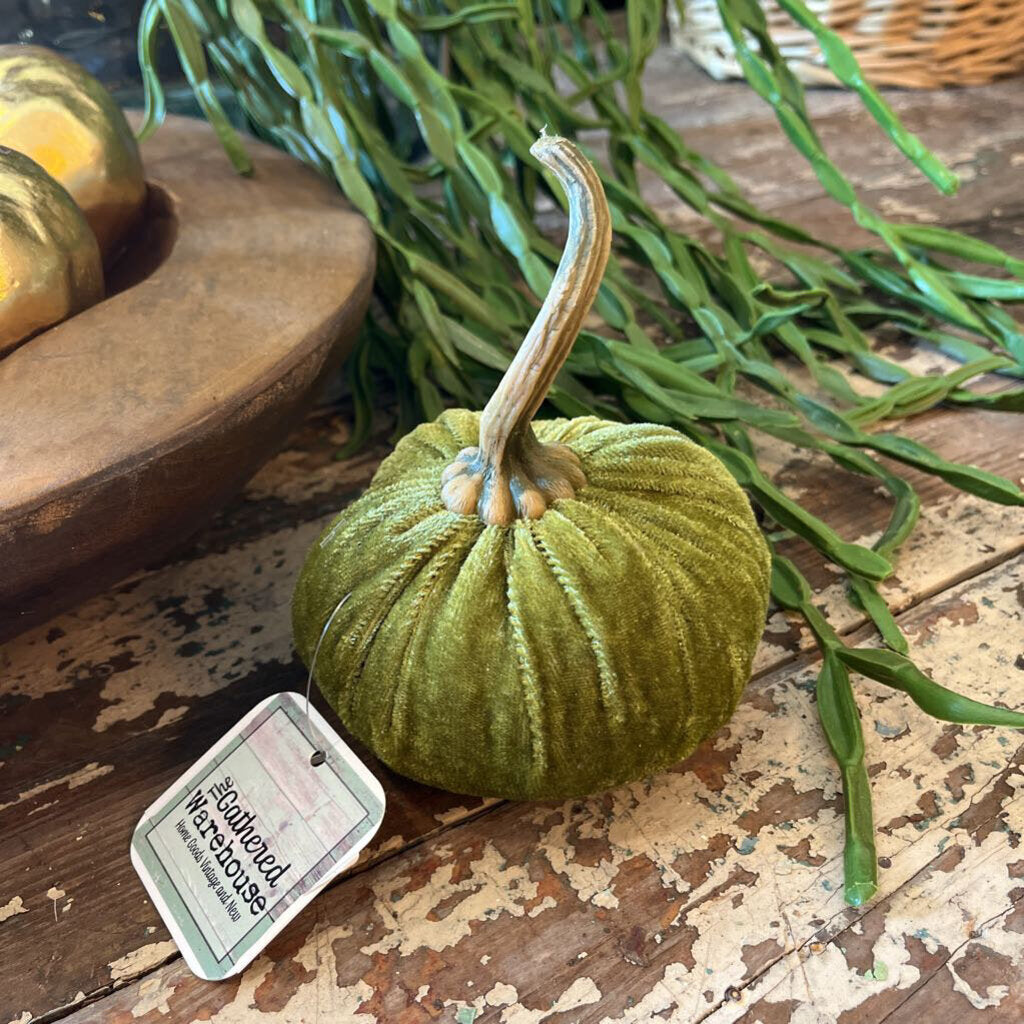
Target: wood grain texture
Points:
(976, 131)
(718, 866)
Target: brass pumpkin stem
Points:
(511, 474)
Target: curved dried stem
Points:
(511, 474)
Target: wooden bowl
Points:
(125, 427)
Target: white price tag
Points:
(252, 832)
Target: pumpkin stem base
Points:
(520, 485)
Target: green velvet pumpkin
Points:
(538, 610)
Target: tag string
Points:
(318, 756)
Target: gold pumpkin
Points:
(55, 112)
(50, 266)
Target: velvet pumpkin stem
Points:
(511, 474)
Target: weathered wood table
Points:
(712, 892)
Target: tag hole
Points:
(317, 758)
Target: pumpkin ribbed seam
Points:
(664, 483)
(433, 442)
(639, 539)
(696, 626)
(381, 502)
(394, 586)
(738, 554)
(424, 591)
(605, 437)
(740, 564)
(347, 520)
(528, 678)
(423, 506)
(578, 434)
(611, 698)
(739, 664)
(665, 458)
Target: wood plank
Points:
(305, 481)
(945, 946)
(711, 892)
(972, 535)
(975, 131)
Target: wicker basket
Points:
(915, 43)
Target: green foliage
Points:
(424, 111)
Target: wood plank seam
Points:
(914, 989)
(925, 981)
(855, 915)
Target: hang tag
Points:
(252, 832)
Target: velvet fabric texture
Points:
(554, 657)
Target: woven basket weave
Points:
(915, 43)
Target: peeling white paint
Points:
(582, 992)
(170, 716)
(994, 994)
(320, 999)
(501, 995)
(82, 777)
(390, 845)
(13, 906)
(138, 961)
(591, 882)
(547, 903)
(490, 889)
(55, 894)
(456, 814)
(226, 593)
(154, 993)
